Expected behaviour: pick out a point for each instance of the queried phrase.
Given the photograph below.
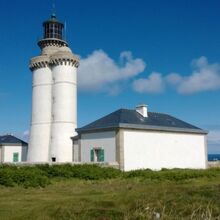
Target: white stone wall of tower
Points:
(39, 140)
(64, 107)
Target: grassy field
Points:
(138, 195)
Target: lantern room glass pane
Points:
(53, 30)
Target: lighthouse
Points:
(54, 97)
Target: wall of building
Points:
(156, 150)
(24, 153)
(104, 140)
(8, 151)
(75, 151)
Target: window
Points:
(15, 157)
(97, 155)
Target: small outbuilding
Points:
(138, 139)
(12, 149)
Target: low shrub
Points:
(86, 172)
(40, 175)
(173, 174)
(6, 178)
(23, 176)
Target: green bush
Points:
(30, 177)
(6, 178)
(86, 172)
(23, 176)
(173, 175)
(40, 175)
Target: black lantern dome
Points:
(53, 33)
(53, 28)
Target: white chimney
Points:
(142, 109)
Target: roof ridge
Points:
(161, 113)
(125, 109)
(148, 111)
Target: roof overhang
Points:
(13, 144)
(143, 127)
(75, 138)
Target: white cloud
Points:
(99, 72)
(204, 77)
(114, 90)
(174, 78)
(153, 84)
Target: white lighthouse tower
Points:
(54, 97)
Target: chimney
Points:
(142, 109)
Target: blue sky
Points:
(162, 53)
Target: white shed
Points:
(138, 139)
(12, 149)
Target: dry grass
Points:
(135, 198)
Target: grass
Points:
(168, 194)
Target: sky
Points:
(164, 53)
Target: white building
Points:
(54, 97)
(138, 139)
(12, 149)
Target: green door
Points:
(101, 155)
(15, 157)
(92, 155)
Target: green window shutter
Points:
(92, 155)
(101, 155)
(15, 157)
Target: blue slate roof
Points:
(126, 118)
(10, 139)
